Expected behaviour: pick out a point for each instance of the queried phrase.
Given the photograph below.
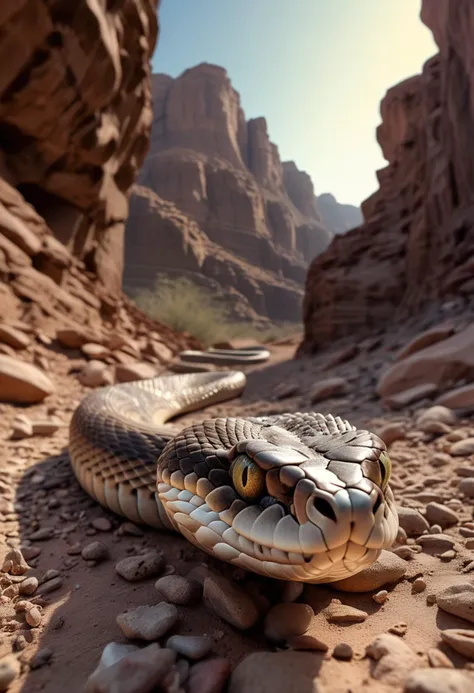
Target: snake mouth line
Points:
(208, 530)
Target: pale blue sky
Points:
(316, 69)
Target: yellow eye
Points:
(385, 465)
(248, 478)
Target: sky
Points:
(315, 69)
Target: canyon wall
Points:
(214, 202)
(417, 240)
(75, 122)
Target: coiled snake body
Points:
(301, 497)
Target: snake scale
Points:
(297, 496)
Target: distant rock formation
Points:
(215, 202)
(417, 242)
(337, 217)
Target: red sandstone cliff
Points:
(215, 201)
(75, 121)
(417, 241)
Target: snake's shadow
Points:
(80, 613)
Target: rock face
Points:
(215, 202)
(417, 241)
(338, 217)
(75, 120)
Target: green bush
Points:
(187, 307)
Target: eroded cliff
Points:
(417, 241)
(248, 223)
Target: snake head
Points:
(316, 509)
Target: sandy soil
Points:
(38, 490)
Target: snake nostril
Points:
(324, 507)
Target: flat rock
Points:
(439, 514)
(402, 399)
(190, 646)
(458, 600)
(412, 521)
(439, 681)
(283, 672)
(127, 373)
(438, 413)
(148, 622)
(394, 659)
(387, 569)
(230, 602)
(13, 337)
(425, 339)
(331, 387)
(136, 568)
(459, 639)
(436, 543)
(343, 613)
(459, 398)
(22, 383)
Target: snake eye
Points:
(248, 478)
(385, 465)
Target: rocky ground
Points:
(76, 577)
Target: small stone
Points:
(131, 529)
(286, 620)
(179, 590)
(380, 597)
(459, 639)
(407, 553)
(280, 672)
(387, 569)
(435, 529)
(307, 642)
(148, 622)
(412, 521)
(331, 387)
(14, 563)
(419, 585)
(437, 413)
(436, 659)
(33, 617)
(192, 647)
(392, 432)
(439, 514)
(466, 486)
(394, 659)
(209, 676)
(439, 681)
(137, 672)
(50, 586)
(46, 427)
(9, 670)
(28, 586)
(447, 556)
(399, 629)
(458, 600)
(436, 543)
(230, 602)
(102, 524)
(343, 651)
(462, 448)
(342, 613)
(136, 568)
(42, 534)
(95, 551)
(113, 653)
(21, 428)
(41, 658)
(95, 374)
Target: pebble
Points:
(412, 521)
(50, 586)
(387, 569)
(437, 413)
(230, 602)
(9, 670)
(380, 597)
(42, 534)
(419, 585)
(307, 642)
(394, 659)
(282, 672)
(439, 514)
(14, 563)
(462, 448)
(286, 620)
(179, 590)
(399, 629)
(407, 553)
(190, 646)
(436, 543)
(114, 652)
(337, 612)
(131, 529)
(439, 681)
(95, 551)
(137, 672)
(436, 658)
(466, 486)
(209, 676)
(458, 600)
(460, 640)
(148, 622)
(343, 651)
(136, 568)
(33, 617)
(392, 432)
(41, 658)
(102, 524)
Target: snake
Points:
(299, 497)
